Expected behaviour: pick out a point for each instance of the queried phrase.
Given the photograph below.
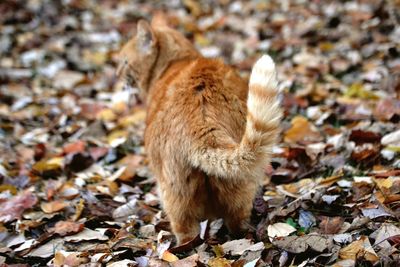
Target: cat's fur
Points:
(209, 134)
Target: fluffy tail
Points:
(262, 129)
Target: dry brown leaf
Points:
(219, 262)
(302, 131)
(137, 117)
(131, 162)
(62, 258)
(14, 207)
(299, 244)
(76, 147)
(330, 225)
(359, 249)
(79, 209)
(54, 206)
(64, 228)
(360, 137)
(190, 261)
(385, 232)
(239, 246)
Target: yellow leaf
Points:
(8, 187)
(58, 161)
(201, 39)
(107, 115)
(96, 58)
(78, 209)
(117, 137)
(384, 183)
(219, 262)
(49, 165)
(218, 250)
(59, 259)
(326, 46)
(168, 256)
(357, 90)
(54, 206)
(138, 117)
(294, 188)
(394, 148)
(120, 107)
(301, 131)
(359, 248)
(328, 181)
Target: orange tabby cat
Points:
(209, 134)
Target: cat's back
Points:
(198, 94)
(208, 76)
(188, 84)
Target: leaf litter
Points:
(75, 185)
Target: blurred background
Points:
(72, 131)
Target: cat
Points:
(209, 134)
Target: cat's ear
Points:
(159, 19)
(145, 37)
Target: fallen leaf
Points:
(385, 232)
(392, 138)
(85, 235)
(122, 263)
(361, 137)
(306, 219)
(125, 210)
(280, 229)
(67, 79)
(50, 167)
(387, 108)
(219, 262)
(64, 228)
(54, 206)
(169, 257)
(299, 244)
(360, 248)
(79, 209)
(238, 247)
(132, 162)
(75, 147)
(78, 162)
(8, 187)
(15, 206)
(302, 131)
(190, 261)
(357, 90)
(48, 249)
(64, 258)
(373, 213)
(330, 225)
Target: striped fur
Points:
(247, 158)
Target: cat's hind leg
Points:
(184, 204)
(236, 200)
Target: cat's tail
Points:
(262, 129)
(263, 107)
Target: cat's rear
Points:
(209, 134)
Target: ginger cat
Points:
(209, 134)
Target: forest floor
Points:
(75, 188)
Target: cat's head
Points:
(150, 51)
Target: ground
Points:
(75, 187)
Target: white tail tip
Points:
(263, 72)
